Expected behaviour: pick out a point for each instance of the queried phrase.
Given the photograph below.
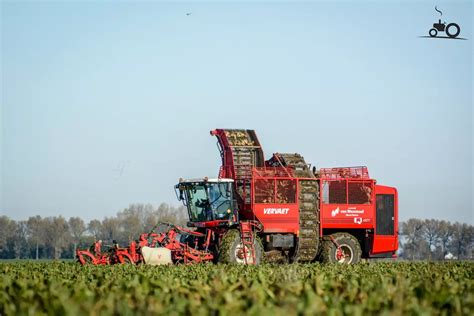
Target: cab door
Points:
(386, 220)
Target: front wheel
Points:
(232, 250)
(433, 32)
(456, 31)
(340, 248)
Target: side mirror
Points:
(179, 188)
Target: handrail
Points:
(339, 173)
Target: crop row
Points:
(375, 288)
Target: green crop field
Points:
(375, 288)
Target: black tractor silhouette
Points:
(452, 29)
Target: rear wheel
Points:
(453, 30)
(232, 249)
(340, 248)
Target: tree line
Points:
(57, 237)
(436, 240)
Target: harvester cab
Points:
(210, 202)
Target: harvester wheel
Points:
(340, 248)
(231, 249)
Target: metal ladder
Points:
(246, 236)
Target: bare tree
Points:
(94, 227)
(463, 238)
(57, 235)
(430, 231)
(7, 228)
(110, 228)
(131, 221)
(19, 240)
(415, 246)
(36, 233)
(77, 229)
(445, 233)
(168, 213)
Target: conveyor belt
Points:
(308, 201)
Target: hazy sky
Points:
(107, 104)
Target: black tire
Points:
(433, 32)
(349, 246)
(453, 35)
(231, 247)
